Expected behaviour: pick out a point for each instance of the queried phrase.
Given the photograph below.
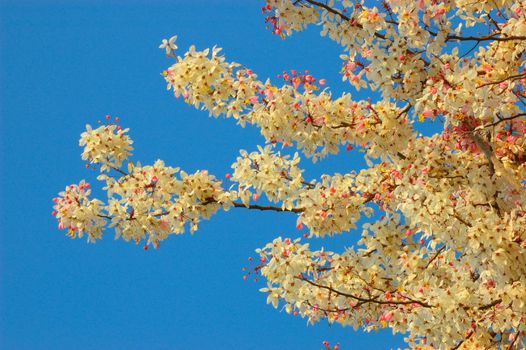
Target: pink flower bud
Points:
(427, 113)
(440, 12)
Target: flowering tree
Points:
(443, 256)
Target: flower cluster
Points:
(107, 146)
(79, 214)
(271, 173)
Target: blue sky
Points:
(67, 63)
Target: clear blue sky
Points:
(67, 63)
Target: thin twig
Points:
(365, 300)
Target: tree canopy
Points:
(442, 255)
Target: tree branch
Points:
(267, 207)
(490, 305)
(365, 300)
(511, 77)
(462, 341)
(118, 170)
(501, 120)
(514, 340)
(485, 38)
(435, 256)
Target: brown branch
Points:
(456, 216)
(118, 170)
(327, 311)
(403, 111)
(485, 38)
(490, 305)
(517, 335)
(341, 15)
(502, 120)
(462, 341)
(365, 300)
(235, 204)
(435, 256)
(494, 162)
(267, 207)
(511, 77)
(445, 177)
(307, 184)
(342, 125)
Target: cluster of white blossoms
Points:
(259, 170)
(443, 256)
(313, 122)
(108, 145)
(78, 214)
(144, 202)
